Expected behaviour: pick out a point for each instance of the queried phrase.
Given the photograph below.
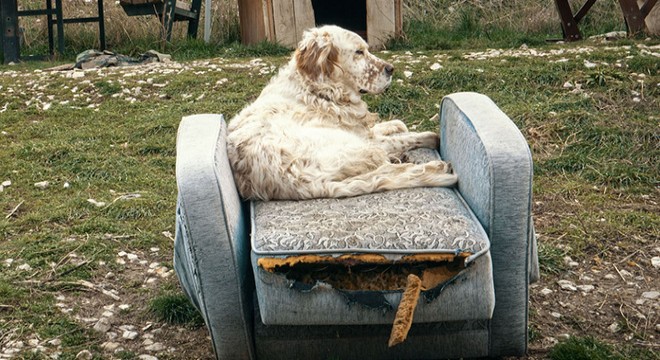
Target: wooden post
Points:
(9, 22)
(633, 16)
(568, 23)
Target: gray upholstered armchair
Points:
(321, 278)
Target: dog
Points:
(310, 135)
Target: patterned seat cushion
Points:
(312, 259)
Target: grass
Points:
(112, 134)
(175, 309)
(595, 154)
(588, 348)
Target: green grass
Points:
(175, 309)
(588, 348)
(595, 154)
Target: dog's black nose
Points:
(389, 69)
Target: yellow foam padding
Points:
(434, 274)
(406, 310)
(271, 264)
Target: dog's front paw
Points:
(438, 166)
(390, 128)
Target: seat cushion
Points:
(345, 261)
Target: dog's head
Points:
(330, 53)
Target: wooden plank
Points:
(633, 16)
(285, 22)
(268, 20)
(380, 22)
(647, 7)
(584, 10)
(398, 25)
(568, 23)
(251, 18)
(304, 16)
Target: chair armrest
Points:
(494, 167)
(211, 254)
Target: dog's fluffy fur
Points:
(310, 135)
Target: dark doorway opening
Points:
(349, 14)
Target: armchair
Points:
(321, 278)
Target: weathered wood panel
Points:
(304, 14)
(381, 19)
(251, 17)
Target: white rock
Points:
(655, 261)
(131, 257)
(614, 327)
(585, 288)
(110, 345)
(55, 342)
(124, 307)
(6, 183)
(66, 185)
(103, 325)
(147, 357)
(589, 65)
(652, 295)
(96, 203)
(407, 73)
(42, 184)
(435, 66)
(130, 335)
(610, 277)
(546, 291)
(24, 267)
(555, 314)
(155, 347)
(84, 355)
(567, 285)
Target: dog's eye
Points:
(359, 52)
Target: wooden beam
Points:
(647, 7)
(633, 16)
(568, 23)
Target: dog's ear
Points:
(316, 56)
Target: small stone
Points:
(55, 342)
(435, 66)
(130, 335)
(652, 295)
(6, 183)
(42, 184)
(108, 314)
(110, 275)
(546, 291)
(655, 261)
(103, 325)
(147, 357)
(610, 277)
(407, 74)
(567, 285)
(66, 185)
(24, 267)
(124, 307)
(110, 345)
(614, 327)
(565, 336)
(155, 347)
(131, 257)
(96, 203)
(555, 314)
(585, 288)
(84, 355)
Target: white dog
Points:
(310, 135)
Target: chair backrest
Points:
(494, 166)
(212, 251)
